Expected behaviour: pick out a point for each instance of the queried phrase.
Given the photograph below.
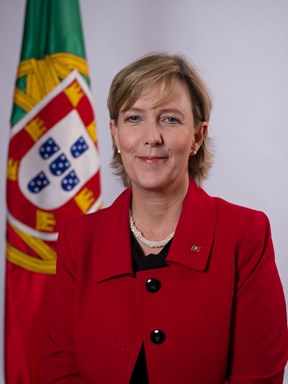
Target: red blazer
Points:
(220, 305)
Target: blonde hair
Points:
(161, 70)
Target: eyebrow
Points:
(172, 110)
(131, 110)
(164, 110)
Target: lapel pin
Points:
(195, 248)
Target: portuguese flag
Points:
(52, 172)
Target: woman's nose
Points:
(152, 134)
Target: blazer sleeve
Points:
(60, 365)
(258, 352)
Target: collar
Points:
(194, 235)
(191, 245)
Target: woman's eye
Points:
(133, 119)
(171, 120)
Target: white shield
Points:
(76, 169)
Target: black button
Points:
(153, 285)
(157, 336)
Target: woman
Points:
(168, 285)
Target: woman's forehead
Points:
(156, 94)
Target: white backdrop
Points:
(239, 47)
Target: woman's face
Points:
(156, 138)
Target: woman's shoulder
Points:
(103, 216)
(242, 223)
(231, 212)
(239, 212)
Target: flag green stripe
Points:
(63, 35)
(50, 26)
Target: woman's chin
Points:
(152, 182)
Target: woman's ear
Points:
(200, 133)
(114, 132)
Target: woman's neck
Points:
(156, 213)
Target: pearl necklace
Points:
(137, 233)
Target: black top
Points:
(151, 261)
(140, 263)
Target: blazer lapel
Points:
(112, 246)
(194, 234)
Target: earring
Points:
(193, 151)
(118, 151)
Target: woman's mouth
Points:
(152, 159)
